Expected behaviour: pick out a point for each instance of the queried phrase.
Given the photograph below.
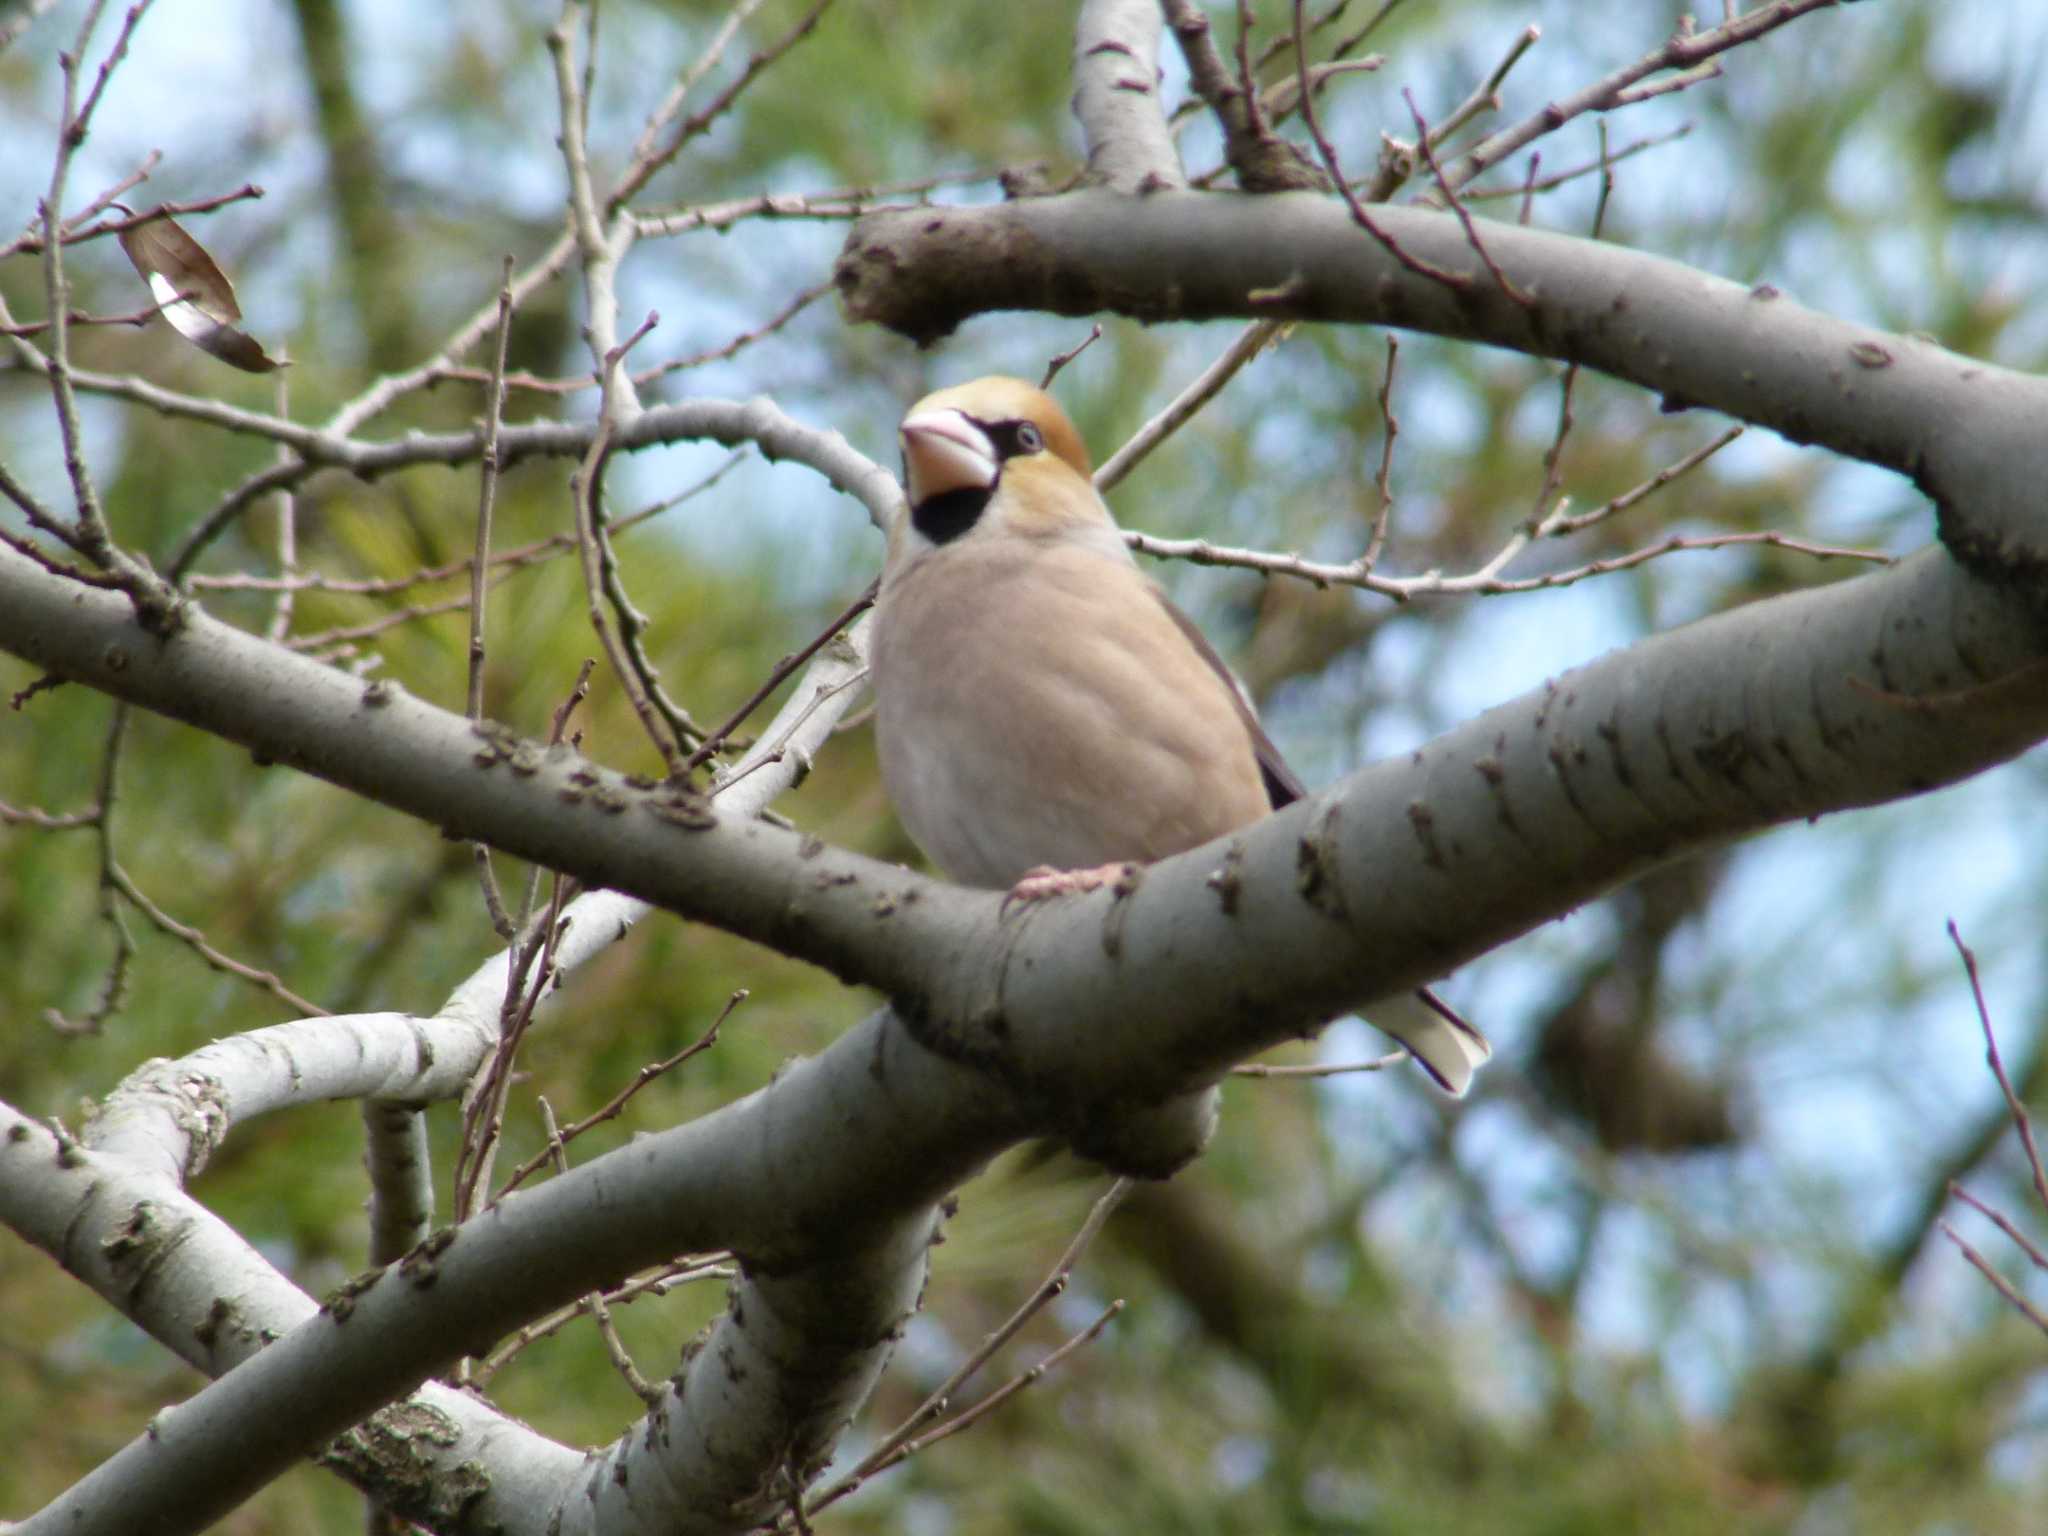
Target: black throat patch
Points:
(944, 517)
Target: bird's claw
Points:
(1043, 883)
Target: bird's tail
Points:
(1443, 1042)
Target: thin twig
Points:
(1486, 96)
(778, 674)
(665, 725)
(487, 492)
(30, 242)
(1382, 480)
(47, 821)
(114, 985)
(2012, 1100)
(526, 554)
(646, 162)
(1562, 522)
(1455, 281)
(483, 1120)
(600, 1310)
(616, 1104)
(1484, 582)
(1052, 369)
(1251, 341)
(218, 959)
(657, 1282)
(79, 317)
(1683, 51)
(1464, 216)
(1999, 1283)
(2004, 1223)
(970, 1417)
(1532, 184)
(766, 759)
(902, 1441)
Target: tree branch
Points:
(1966, 432)
(1116, 97)
(1408, 868)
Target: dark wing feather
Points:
(1282, 787)
(1428, 1047)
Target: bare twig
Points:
(742, 341)
(1999, 1283)
(970, 1417)
(652, 153)
(486, 508)
(903, 1441)
(30, 242)
(655, 1283)
(483, 1118)
(1528, 206)
(1059, 362)
(1533, 184)
(2012, 1100)
(776, 754)
(1683, 51)
(114, 984)
(1562, 522)
(156, 603)
(600, 1310)
(47, 821)
(1359, 216)
(526, 554)
(613, 1106)
(2004, 1223)
(1487, 580)
(1250, 342)
(1486, 97)
(782, 670)
(1382, 480)
(1423, 142)
(667, 727)
(487, 493)
(79, 317)
(218, 959)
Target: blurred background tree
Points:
(1671, 1267)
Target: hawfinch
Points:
(1040, 705)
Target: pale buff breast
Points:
(1054, 714)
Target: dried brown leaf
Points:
(196, 296)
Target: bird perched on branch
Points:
(1044, 713)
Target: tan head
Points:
(994, 457)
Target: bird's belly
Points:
(1030, 720)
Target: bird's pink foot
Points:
(1045, 882)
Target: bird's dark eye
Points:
(1010, 438)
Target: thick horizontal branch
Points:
(1968, 433)
(1059, 1017)
(1814, 702)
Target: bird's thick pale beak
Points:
(945, 451)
